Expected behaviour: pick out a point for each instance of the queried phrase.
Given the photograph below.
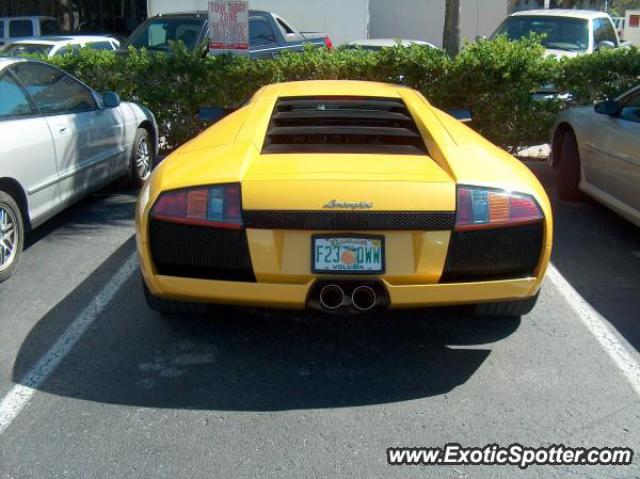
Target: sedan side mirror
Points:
(465, 116)
(110, 99)
(608, 107)
(606, 45)
(212, 114)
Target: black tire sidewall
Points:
(569, 168)
(7, 201)
(173, 309)
(506, 309)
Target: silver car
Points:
(59, 45)
(596, 150)
(59, 141)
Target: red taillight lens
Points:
(328, 43)
(215, 206)
(172, 204)
(232, 208)
(486, 208)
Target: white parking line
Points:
(20, 394)
(599, 328)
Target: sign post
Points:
(229, 27)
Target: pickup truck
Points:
(565, 33)
(13, 28)
(269, 34)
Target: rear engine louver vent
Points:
(343, 125)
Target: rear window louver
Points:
(342, 125)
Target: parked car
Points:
(377, 44)
(596, 150)
(52, 46)
(343, 196)
(269, 34)
(60, 141)
(564, 32)
(12, 28)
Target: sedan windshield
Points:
(26, 49)
(158, 33)
(561, 33)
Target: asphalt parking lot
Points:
(263, 394)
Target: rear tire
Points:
(142, 158)
(11, 235)
(506, 309)
(569, 168)
(169, 307)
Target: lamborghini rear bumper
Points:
(297, 296)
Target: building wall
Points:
(481, 17)
(424, 19)
(343, 20)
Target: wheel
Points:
(142, 158)
(506, 308)
(11, 235)
(569, 168)
(169, 307)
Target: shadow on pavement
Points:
(254, 360)
(598, 252)
(90, 213)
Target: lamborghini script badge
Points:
(347, 205)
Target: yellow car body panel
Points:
(281, 256)
(230, 152)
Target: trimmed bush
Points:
(605, 74)
(495, 79)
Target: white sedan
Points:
(60, 141)
(596, 150)
(59, 45)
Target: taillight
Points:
(480, 208)
(328, 43)
(215, 206)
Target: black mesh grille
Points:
(200, 252)
(343, 125)
(351, 220)
(504, 253)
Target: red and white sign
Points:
(229, 26)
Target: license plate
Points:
(333, 254)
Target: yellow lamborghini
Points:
(347, 197)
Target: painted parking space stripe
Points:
(599, 328)
(19, 395)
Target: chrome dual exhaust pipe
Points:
(332, 297)
(363, 298)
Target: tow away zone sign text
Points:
(229, 26)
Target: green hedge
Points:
(492, 78)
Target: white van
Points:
(12, 28)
